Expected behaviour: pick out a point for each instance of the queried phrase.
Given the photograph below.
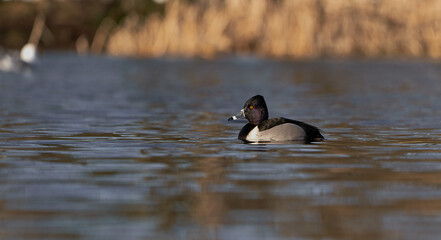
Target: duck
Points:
(262, 129)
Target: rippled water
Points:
(102, 148)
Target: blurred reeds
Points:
(284, 28)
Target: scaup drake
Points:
(262, 129)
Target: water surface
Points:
(105, 148)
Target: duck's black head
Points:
(254, 110)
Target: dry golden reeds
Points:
(285, 28)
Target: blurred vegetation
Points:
(66, 20)
(208, 28)
(286, 28)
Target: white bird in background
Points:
(7, 63)
(12, 61)
(28, 53)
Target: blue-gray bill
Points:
(241, 115)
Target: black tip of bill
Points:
(241, 115)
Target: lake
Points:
(94, 147)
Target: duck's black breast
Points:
(312, 132)
(245, 130)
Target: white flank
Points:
(282, 132)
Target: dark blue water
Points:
(107, 148)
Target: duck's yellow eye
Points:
(251, 107)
